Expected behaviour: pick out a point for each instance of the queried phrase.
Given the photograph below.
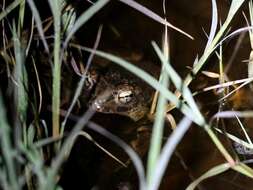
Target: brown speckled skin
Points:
(115, 80)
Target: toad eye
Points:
(125, 96)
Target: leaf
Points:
(213, 25)
(179, 84)
(20, 76)
(210, 173)
(243, 169)
(153, 15)
(11, 7)
(36, 15)
(84, 18)
(233, 8)
(167, 152)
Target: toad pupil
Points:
(125, 96)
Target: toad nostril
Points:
(96, 105)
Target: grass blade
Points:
(84, 18)
(235, 5)
(20, 76)
(213, 25)
(38, 22)
(219, 145)
(11, 7)
(167, 152)
(210, 173)
(6, 148)
(243, 169)
(236, 139)
(157, 133)
(81, 82)
(152, 15)
(134, 157)
(185, 91)
(56, 10)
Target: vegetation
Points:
(33, 160)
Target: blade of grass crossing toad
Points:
(177, 81)
(148, 79)
(168, 151)
(82, 80)
(157, 132)
(210, 173)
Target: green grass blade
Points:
(20, 76)
(235, 5)
(234, 33)
(131, 153)
(38, 23)
(158, 127)
(236, 139)
(210, 173)
(6, 148)
(219, 145)
(178, 82)
(157, 133)
(167, 152)
(152, 15)
(213, 25)
(82, 81)
(243, 169)
(60, 157)
(251, 23)
(56, 10)
(68, 20)
(21, 16)
(232, 114)
(243, 128)
(84, 18)
(11, 7)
